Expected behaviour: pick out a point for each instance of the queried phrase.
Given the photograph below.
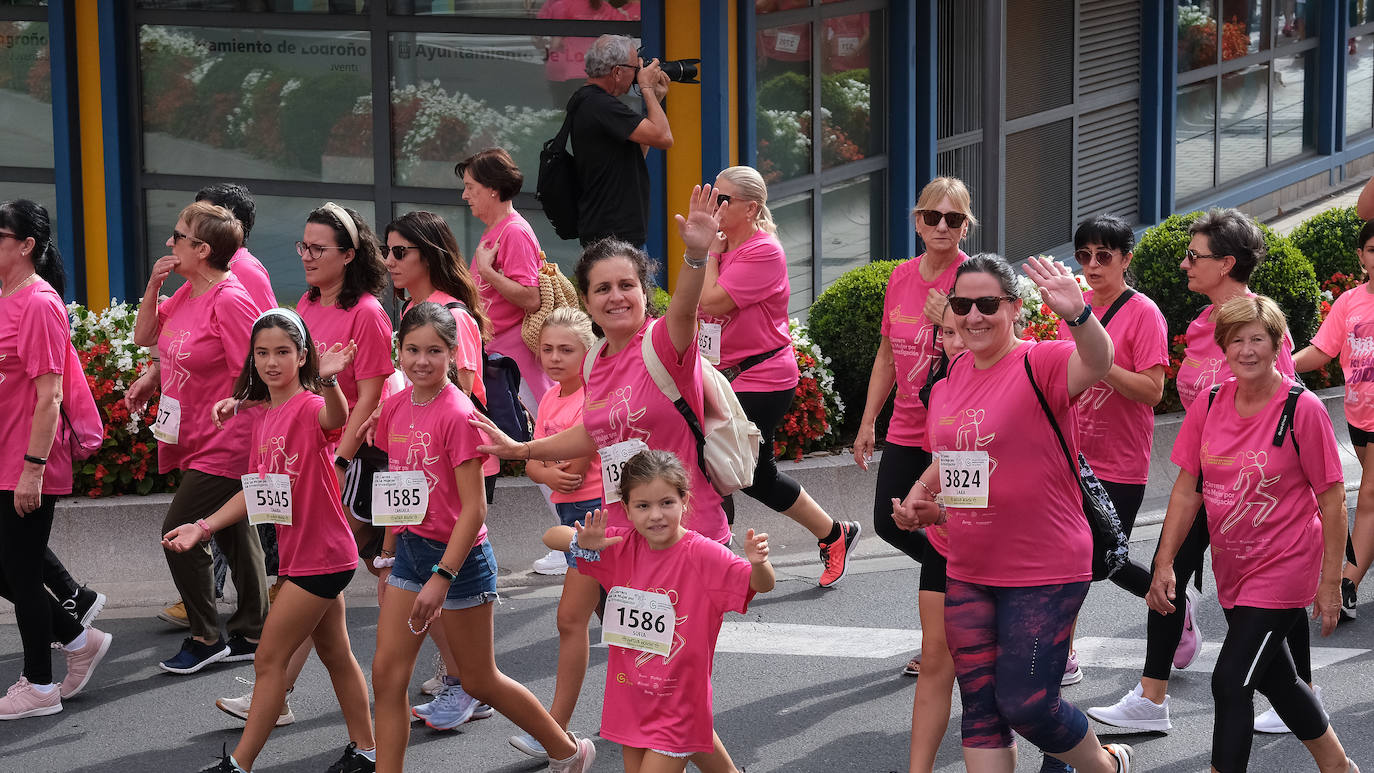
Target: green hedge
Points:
(1328, 240)
(1285, 275)
(846, 322)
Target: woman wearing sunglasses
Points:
(913, 306)
(1224, 248)
(1018, 567)
(742, 330)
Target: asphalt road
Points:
(807, 681)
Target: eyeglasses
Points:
(398, 252)
(178, 236)
(722, 198)
(316, 251)
(988, 304)
(634, 67)
(932, 217)
(1193, 256)
(16, 237)
(1086, 257)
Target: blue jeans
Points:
(415, 560)
(575, 512)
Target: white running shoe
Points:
(1269, 721)
(553, 564)
(1121, 753)
(238, 707)
(435, 684)
(1136, 712)
(526, 744)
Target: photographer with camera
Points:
(610, 140)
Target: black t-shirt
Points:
(610, 168)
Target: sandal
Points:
(913, 666)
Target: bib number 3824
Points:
(964, 478)
(268, 498)
(639, 620)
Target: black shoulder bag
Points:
(558, 189)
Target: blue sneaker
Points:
(450, 708)
(526, 744)
(194, 656)
(1055, 765)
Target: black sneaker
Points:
(194, 656)
(240, 649)
(352, 762)
(224, 765)
(85, 605)
(1348, 610)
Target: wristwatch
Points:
(1081, 318)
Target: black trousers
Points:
(770, 487)
(23, 555)
(897, 473)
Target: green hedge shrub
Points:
(1328, 240)
(1285, 275)
(845, 321)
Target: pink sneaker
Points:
(24, 700)
(81, 663)
(579, 762)
(1190, 643)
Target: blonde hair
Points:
(575, 320)
(217, 227)
(648, 466)
(752, 188)
(941, 187)
(1241, 311)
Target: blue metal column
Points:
(748, 85)
(1168, 105)
(715, 88)
(1330, 77)
(913, 77)
(652, 37)
(66, 144)
(1153, 142)
(117, 73)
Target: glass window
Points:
(453, 95)
(274, 104)
(279, 223)
(1243, 30)
(793, 217)
(1294, 21)
(1195, 139)
(1288, 124)
(607, 10)
(468, 229)
(783, 75)
(1359, 84)
(25, 94)
(259, 6)
(42, 194)
(848, 131)
(1361, 11)
(1197, 34)
(773, 6)
(847, 223)
(1243, 121)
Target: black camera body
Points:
(678, 70)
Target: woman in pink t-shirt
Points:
(1018, 570)
(443, 573)
(1348, 331)
(293, 435)
(202, 335)
(1260, 456)
(744, 333)
(36, 463)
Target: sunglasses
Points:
(988, 304)
(932, 217)
(398, 252)
(1086, 257)
(1193, 256)
(722, 198)
(178, 236)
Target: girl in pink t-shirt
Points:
(291, 483)
(1348, 331)
(668, 590)
(443, 569)
(1275, 515)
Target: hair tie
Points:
(345, 220)
(288, 315)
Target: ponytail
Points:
(29, 220)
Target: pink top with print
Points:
(1348, 331)
(664, 703)
(365, 324)
(518, 259)
(35, 335)
(288, 439)
(254, 278)
(1204, 363)
(1115, 433)
(915, 344)
(754, 275)
(1261, 501)
(557, 413)
(435, 438)
(996, 410)
(469, 358)
(624, 403)
(204, 344)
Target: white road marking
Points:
(1099, 652)
(822, 641)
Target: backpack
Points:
(558, 189)
(80, 414)
(728, 446)
(501, 377)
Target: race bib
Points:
(708, 341)
(613, 458)
(399, 498)
(168, 424)
(639, 620)
(964, 478)
(268, 498)
(847, 46)
(788, 42)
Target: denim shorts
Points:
(574, 512)
(416, 557)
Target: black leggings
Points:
(1134, 577)
(23, 553)
(56, 578)
(771, 487)
(897, 473)
(1255, 656)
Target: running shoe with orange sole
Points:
(835, 556)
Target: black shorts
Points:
(1359, 437)
(326, 586)
(932, 570)
(357, 488)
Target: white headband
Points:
(345, 219)
(288, 315)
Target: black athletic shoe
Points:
(240, 649)
(85, 605)
(224, 765)
(1348, 610)
(352, 762)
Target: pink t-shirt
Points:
(624, 403)
(1348, 331)
(204, 343)
(254, 278)
(518, 259)
(915, 344)
(1115, 433)
(1018, 540)
(366, 324)
(1204, 363)
(557, 413)
(288, 439)
(1261, 501)
(435, 438)
(754, 275)
(35, 335)
(469, 358)
(664, 703)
